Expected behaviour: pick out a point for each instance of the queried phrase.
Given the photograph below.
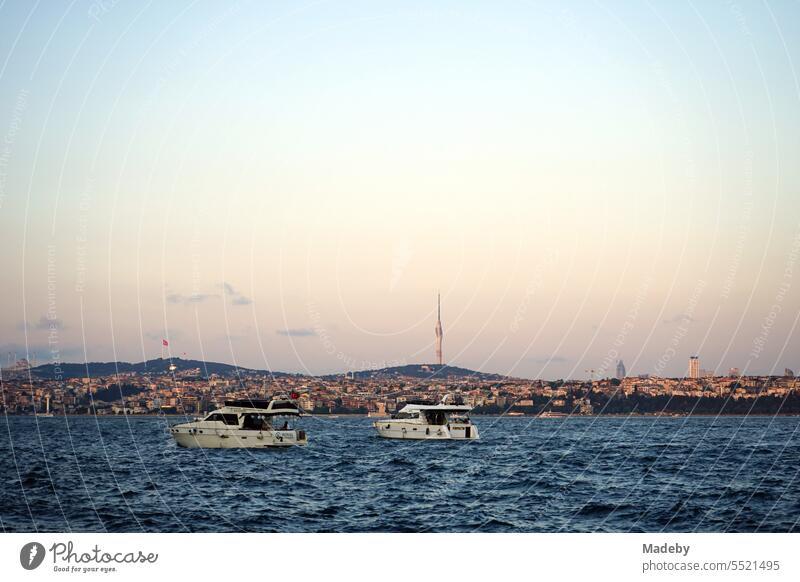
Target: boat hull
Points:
(192, 438)
(407, 431)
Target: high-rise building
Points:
(620, 370)
(733, 372)
(694, 367)
(439, 333)
(788, 372)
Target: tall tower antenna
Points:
(439, 332)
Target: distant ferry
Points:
(426, 421)
(551, 414)
(251, 424)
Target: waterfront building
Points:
(694, 367)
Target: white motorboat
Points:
(251, 424)
(425, 420)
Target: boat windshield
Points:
(414, 414)
(229, 419)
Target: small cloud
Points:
(680, 318)
(43, 324)
(297, 332)
(554, 359)
(39, 353)
(236, 297)
(177, 298)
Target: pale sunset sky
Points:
(287, 185)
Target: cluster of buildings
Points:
(695, 372)
(187, 391)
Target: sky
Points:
(287, 185)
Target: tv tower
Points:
(439, 332)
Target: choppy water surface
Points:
(576, 474)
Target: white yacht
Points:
(250, 424)
(425, 420)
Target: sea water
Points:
(640, 474)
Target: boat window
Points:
(230, 419)
(255, 422)
(414, 414)
(435, 417)
(214, 417)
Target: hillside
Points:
(161, 366)
(156, 366)
(422, 372)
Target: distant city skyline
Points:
(287, 188)
(15, 363)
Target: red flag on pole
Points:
(164, 342)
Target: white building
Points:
(694, 367)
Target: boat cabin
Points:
(255, 414)
(434, 414)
